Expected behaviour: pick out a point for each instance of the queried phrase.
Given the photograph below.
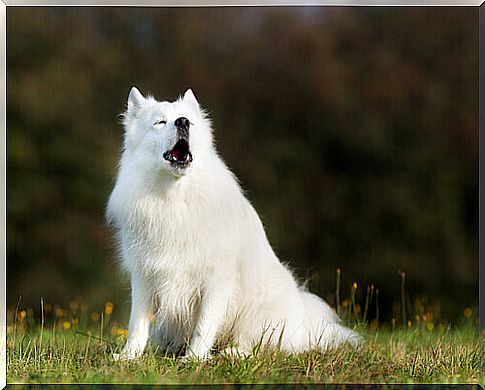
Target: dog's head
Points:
(166, 136)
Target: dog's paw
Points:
(186, 358)
(125, 355)
(355, 341)
(117, 356)
(233, 352)
(195, 358)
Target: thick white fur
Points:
(196, 249)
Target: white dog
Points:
(196, 249)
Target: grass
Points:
(76, 345)
(400, 356)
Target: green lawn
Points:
(416, 355)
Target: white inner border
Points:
(145, 3)
(243, 3)
(3, 195)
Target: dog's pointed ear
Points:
(191, 99)
(135, 99)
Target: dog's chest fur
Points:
(160, 238)
(165, 238)
(161, 248)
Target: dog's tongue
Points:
(177, 154)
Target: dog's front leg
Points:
(138, 328)
(212, 314)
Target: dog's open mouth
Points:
(180, 155)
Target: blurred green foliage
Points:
(353, 130)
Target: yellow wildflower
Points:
(108, 307)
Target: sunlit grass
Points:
(399, 356)
(76, 344)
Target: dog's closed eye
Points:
(160, 122)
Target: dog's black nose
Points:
(182, 122)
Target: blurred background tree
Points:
(354, 132)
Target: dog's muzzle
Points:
(180, 155)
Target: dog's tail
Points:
(323, 325)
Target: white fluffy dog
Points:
(195, 248)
